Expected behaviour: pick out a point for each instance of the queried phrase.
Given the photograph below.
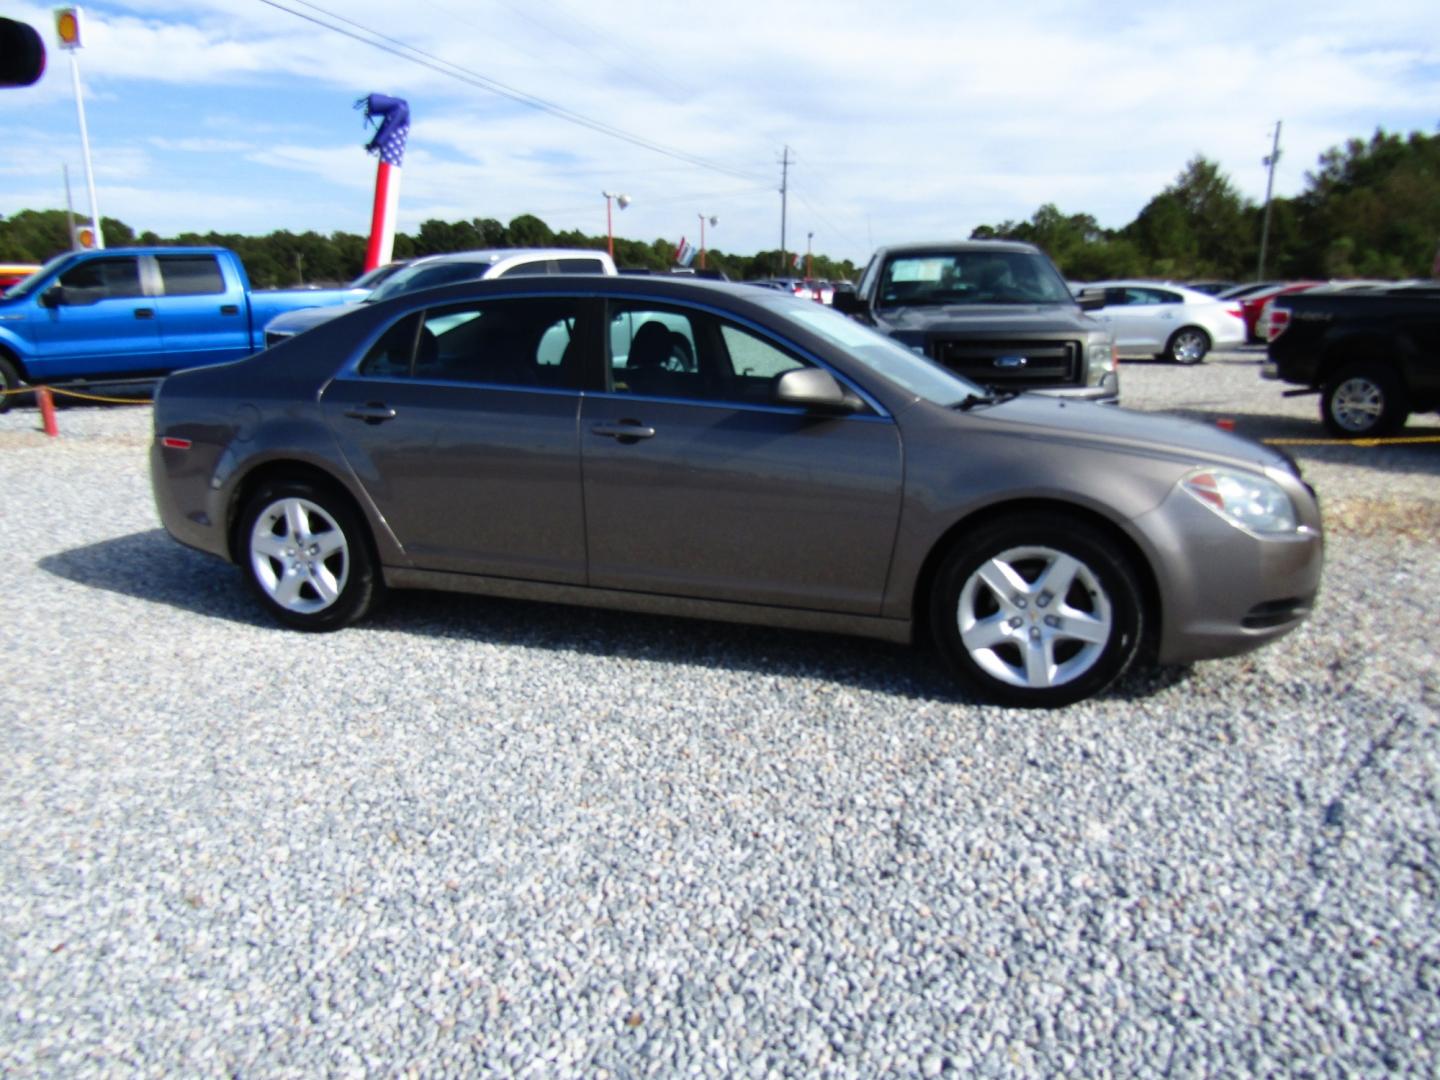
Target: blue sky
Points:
(905, 121)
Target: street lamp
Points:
(713, 221)
(809, 258)
(624, 201)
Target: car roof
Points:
(495, 255)
(941, 247)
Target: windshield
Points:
(428, 276)
(29, 284)
(921, 376)
(971, 277)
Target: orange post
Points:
(47, 410)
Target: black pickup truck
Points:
(995, 311)
(1373, 355)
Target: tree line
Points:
(1370, 209)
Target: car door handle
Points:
(373, 412)
(144, 313)
(229, 309)
(625, 431)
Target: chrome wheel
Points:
(1357, 405)
(1189, 346)
(299, 555)
(1034, 617)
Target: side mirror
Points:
(814, 388)
(53, 297)
(1091, 299)
(847, 302)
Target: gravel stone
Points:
(476, 836)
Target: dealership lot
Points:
(473, 834)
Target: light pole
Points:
(809, 258)
(67, 28)
(611, 198)
(713, 221)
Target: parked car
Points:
(1211, 288)
(1254, 303)
(720, 451)
(14, 273)
(125, 313)
(427, 273)
(1372, 354)
(994, 311)
(1168, 321)
(1272, 316)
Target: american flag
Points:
(394, 114)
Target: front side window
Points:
(673, 353)
(501, 342)
(102, 279)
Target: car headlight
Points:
(1251, 502)
(1102, 355)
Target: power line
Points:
(405, 51)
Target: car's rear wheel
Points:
(1037, 611)
(1188, 345)
(1363, 401)
(9, 383)
(307, 555)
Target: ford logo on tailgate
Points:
(1011, 361)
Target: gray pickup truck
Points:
(995, 311)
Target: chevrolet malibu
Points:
(715, 451)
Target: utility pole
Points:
(1269, 187)
(784, 185)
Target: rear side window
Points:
(581, 266)
(191, 275)
(527, 341)
(102, 279)
(539, 266)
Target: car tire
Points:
(1188, 345)
(307, 555)
(1037, 611)
(1363, 401)
(9, 382)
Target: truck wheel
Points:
(1364, 401)
(1037, 610)
(1188, 345)
(9, 382)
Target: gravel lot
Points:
(480, 836)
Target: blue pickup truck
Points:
(127, 313)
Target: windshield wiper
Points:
(969, 401)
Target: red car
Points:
(1254, 303)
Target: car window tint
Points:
(539, 266)
(505, 342)
(102, 279)
(750, 357)
(581, 266)
(392, 353)
(190, 275)
(1164, 297)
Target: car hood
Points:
(1038, 416)
(292, 322)
(1009, 320)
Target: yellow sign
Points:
(85, 236)
(67, 26)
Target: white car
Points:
(1152, 318)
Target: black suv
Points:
(996, 311)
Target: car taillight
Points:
(1279, 319)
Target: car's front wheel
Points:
(307, 555)
(1188, 345)
(1037, 611)
(1363, 401)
